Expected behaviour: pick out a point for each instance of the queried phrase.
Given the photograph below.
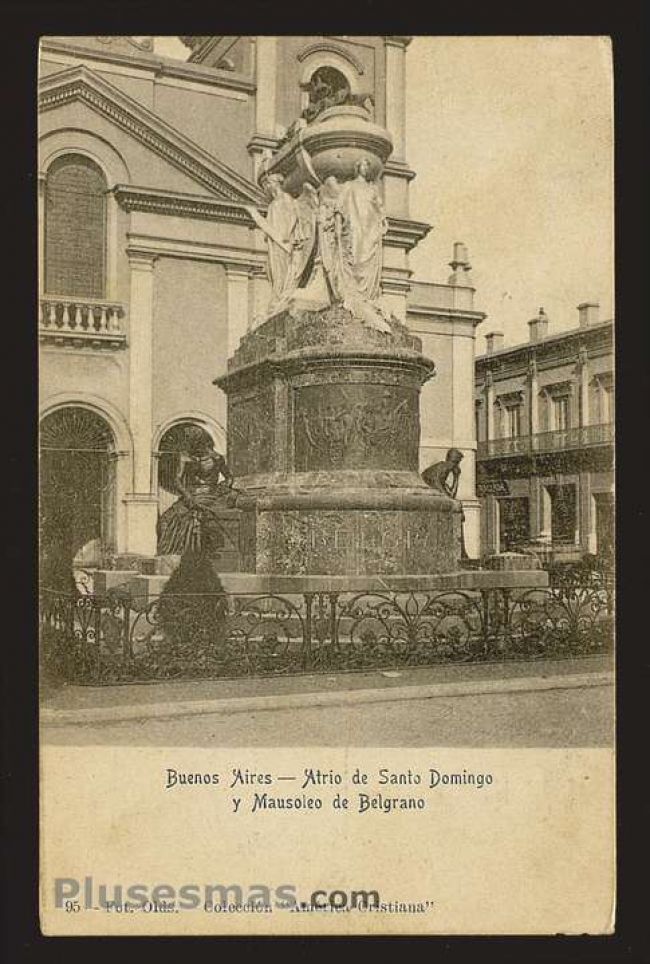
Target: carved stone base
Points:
(324, 434)
(357, 541)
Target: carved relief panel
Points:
(348, 426)
(251, 432)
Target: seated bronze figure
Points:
(205, 487)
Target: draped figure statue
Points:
(340, 227)
(365, 225)
(290, 229)
(351, 228)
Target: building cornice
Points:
(82, 84)
(564, 345)
(402, 233)
(405, 233)
(175, 204)
(398, 41)
(262, 142)
(514, 397)
(159, 66)
(145, 245)
(398, 169)
(444, 314)
(565, 386)
(394, 285)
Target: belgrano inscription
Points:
(374, 797)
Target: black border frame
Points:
(626, 22)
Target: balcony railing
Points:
(519, 445)
(81, 321)
(573, 438)
(558, 441)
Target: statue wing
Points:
(306, 159)
(304, 233)
(264, 225)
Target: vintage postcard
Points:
(326, 509)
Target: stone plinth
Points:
(324, 435)
(512, 562)
(145, 589)
(107, 580)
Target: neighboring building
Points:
(151, 268)
(545, 427)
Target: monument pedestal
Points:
(323, 435)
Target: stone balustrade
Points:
(79, 321)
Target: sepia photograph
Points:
(300, 446)
(326, 458)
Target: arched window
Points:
(75, 228)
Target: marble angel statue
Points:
(351, 228)
(290, 229)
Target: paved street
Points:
(554, 717)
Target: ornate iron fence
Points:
(116, 638)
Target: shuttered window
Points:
(514, 421)
(75, 228)
(561, 413)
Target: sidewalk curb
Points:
(310, 700)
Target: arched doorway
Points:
(77, 492)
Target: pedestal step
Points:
(145, 588)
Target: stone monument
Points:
(323, 395)
(320, 488)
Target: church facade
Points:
(152, 266)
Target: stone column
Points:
(266, 76)
(123, 477)
(260, 291)
(239, 303)
(550, 410)
(545, 512)
(579, 513)
(586, 516)
(534, 507)
(533, 398)
(397, 174)
(395, 94)
(489, 407)
(463, 429)
(112, 247)
(41, 234)
(141, 503)
(394, 295)
(583, 387)
(491, 525)
(395, 280)
(264, 141)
